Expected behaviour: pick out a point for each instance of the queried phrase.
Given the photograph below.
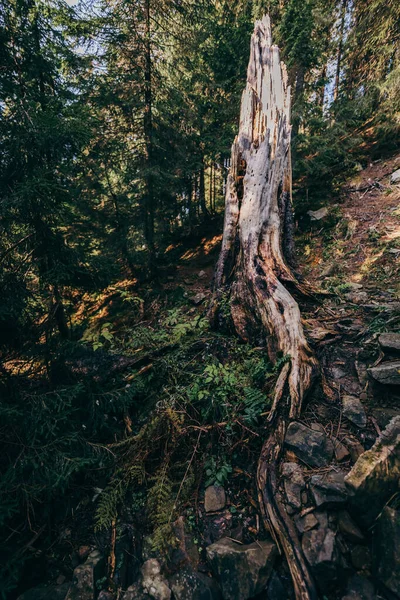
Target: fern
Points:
(255, 402)
(114, 494)
(160, 508)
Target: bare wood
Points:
(252, 269)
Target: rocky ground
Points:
(340, 471)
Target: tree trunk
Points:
(340, 49)
(251, 268)
(253, 275)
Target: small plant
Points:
(217, 473)
(99, 337)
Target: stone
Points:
(85, 577)
(317, 215)
(386, 548)
(186, 551)
(328, 489)
(202, 274)
(348, 528)
(356, 297)
(46, 592)
(198, 298)
(134, 592)
(276, 590)
(355, 448)
(215, 498)
(83, 552)
(383, 416)
(387, 373)
(361, 558)
(153, 582)
(306, 523)
(341, 451)
(375, 476)
(390, 341)
(104, 595)
(293, 482)
(359, 588)
(320, 550)
(314, 448)
(242, 570)
(188, 583)
(395, 177)
(354, 411)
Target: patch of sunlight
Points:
(392, 235)
(209, 245)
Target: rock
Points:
(104, 595)
(294, 483)
(390, 341)
(153, 583)
(198, 298)
(317, 215)
(319, 547)
(85, 577)
(134, 592)
(355, 448)
(341, 451)
(386, 549)
(60, 579)
(312, 447)
(395, 177)
(186, 552)
(276, 590)
(359, 588)
(217, 526)
(328, 489)
(83, 552)
(356, 297)
(188, 583)
(201, 274)
(354, 411)
(306, 523)
(46, 592)
(361, 558)
(348, 528)
(387, 373)
(375, 476)
(242, 570)
(383, 416)
(215, 498)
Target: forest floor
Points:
(351, 256)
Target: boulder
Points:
(390, 342)
(276, 590)
(293, 482)
(46, 592)
(85, 577)
(328, 489)
(188, 583)
(104, 595)
(312, 447)
(153, 582)
(375, 476)
(387, 550)
(348, 528)
(354, 411)
(395, 177)
(215, 498)
(134, 592)
(320, 550)
(242, 570)
(387, 373)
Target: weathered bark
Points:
(251, 269)
(253, 273)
